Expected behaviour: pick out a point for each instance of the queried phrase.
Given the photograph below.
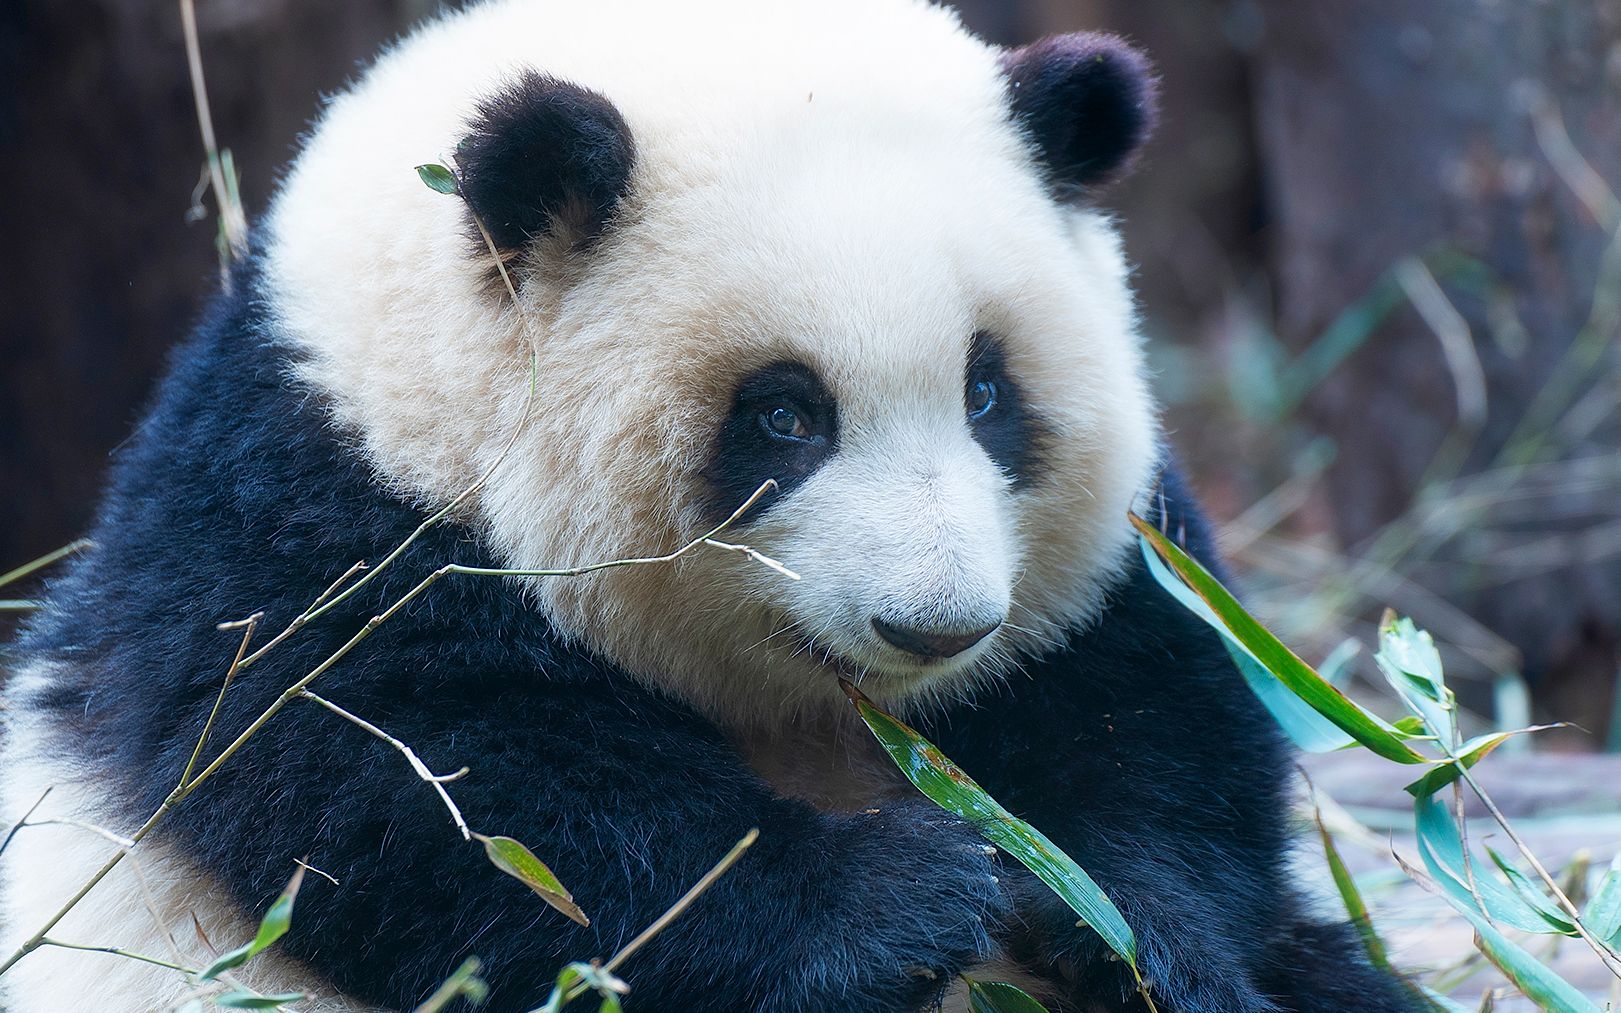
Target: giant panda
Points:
(839, 244)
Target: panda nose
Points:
(932, 643)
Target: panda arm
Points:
(1168, 795)
(629, 800)
(1139, 750)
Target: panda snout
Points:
(933, 642)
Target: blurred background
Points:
(1379, 266)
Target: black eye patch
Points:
(1006, 427)
(783, 424)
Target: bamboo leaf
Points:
(464, 982)
(1440, 845)
(1238, 627)
(275, 923)
(517, 861)
(1541, 985)
(999, 997)
(1352, 898)
(1469, 754)
(1411, 664)
(953, 790)
(1532, 895)
(252, 1000)
(438, 178)
(1603, 917)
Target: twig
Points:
(411, 757)
(1606, 953)
(99, 831)
(233, 225)
(24, 820)
(1578, 173)
(675, 911)
(322, 605)
(182, 792)
(11, 576)
(319, 872)
(327, 601)
(247, 625)
(118, 952)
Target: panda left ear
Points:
(545, 157)
(1087, 101)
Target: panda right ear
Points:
(1086, 102)
(545, 157)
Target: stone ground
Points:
(1560, 805)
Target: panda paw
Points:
(1184, 965)
(926, 900)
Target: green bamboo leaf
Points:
(1468, 754)
(999, 997)
(566, 980)
(252, 1000)
(275, 923)
(439, 178)
(1309, 730)
(517, 861)
(1352, 898)
(1603, 917)
(1440, 845)
(464, 982)
(1542, 986)
(1532, 895)
(1411, 664)
(1240, 628)
(953, 790)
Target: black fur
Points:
(1086, 101)
(1136, 748)
(544, 155)
(1011, 432)
(746, 453)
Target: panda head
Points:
(844, 246)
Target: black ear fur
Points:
(545, 156)
(1087, 101)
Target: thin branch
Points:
(11, 576)
(118, 952)
(411, 757)
(675, 911)
(182, 792)
(24, 820)
(233, 224)
(707, 538)
(99, 831)
(248, 625)
(1607, 953)
(320, 607)
(319, 872)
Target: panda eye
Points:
(981, 398)
(784, 422)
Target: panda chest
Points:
(835, 766)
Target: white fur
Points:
(47, 862)
(835, 181)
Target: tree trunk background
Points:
(1391, 128)
(1306, 146)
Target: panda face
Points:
(851, 277)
